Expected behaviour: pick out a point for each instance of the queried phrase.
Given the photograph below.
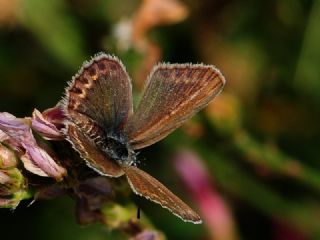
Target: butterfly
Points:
(103, 128)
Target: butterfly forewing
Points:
(173, 93)
(102, 92)
(145, 185)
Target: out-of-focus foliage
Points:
(257, 143)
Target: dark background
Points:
(259, 140)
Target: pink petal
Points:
(55, 115)
(215, 211)
(31, 166)
(3, 136)
(17, 129)
(35, 159)
(44, 127)
(39, 162)
(147, 235)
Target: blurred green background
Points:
(259, 140)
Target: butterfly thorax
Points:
(117, 148)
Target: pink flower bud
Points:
(11, 181)
(44, 127)
(7, 158)
(34, 158)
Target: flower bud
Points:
(13, 200)
(12, 188)
(7, 158)
(45, 127)
(11, 181)
(35, 158)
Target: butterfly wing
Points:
(146, 186)
(98, 102)
(94, 157)
(173, 93)
(101, 91)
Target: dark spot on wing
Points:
(83, 80)
(92, 71)
(76, 90)
(113, 66)
(101, 65)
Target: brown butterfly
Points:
(105, 131)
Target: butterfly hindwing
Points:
(173, 93)
(94, 157)
(145, 185)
